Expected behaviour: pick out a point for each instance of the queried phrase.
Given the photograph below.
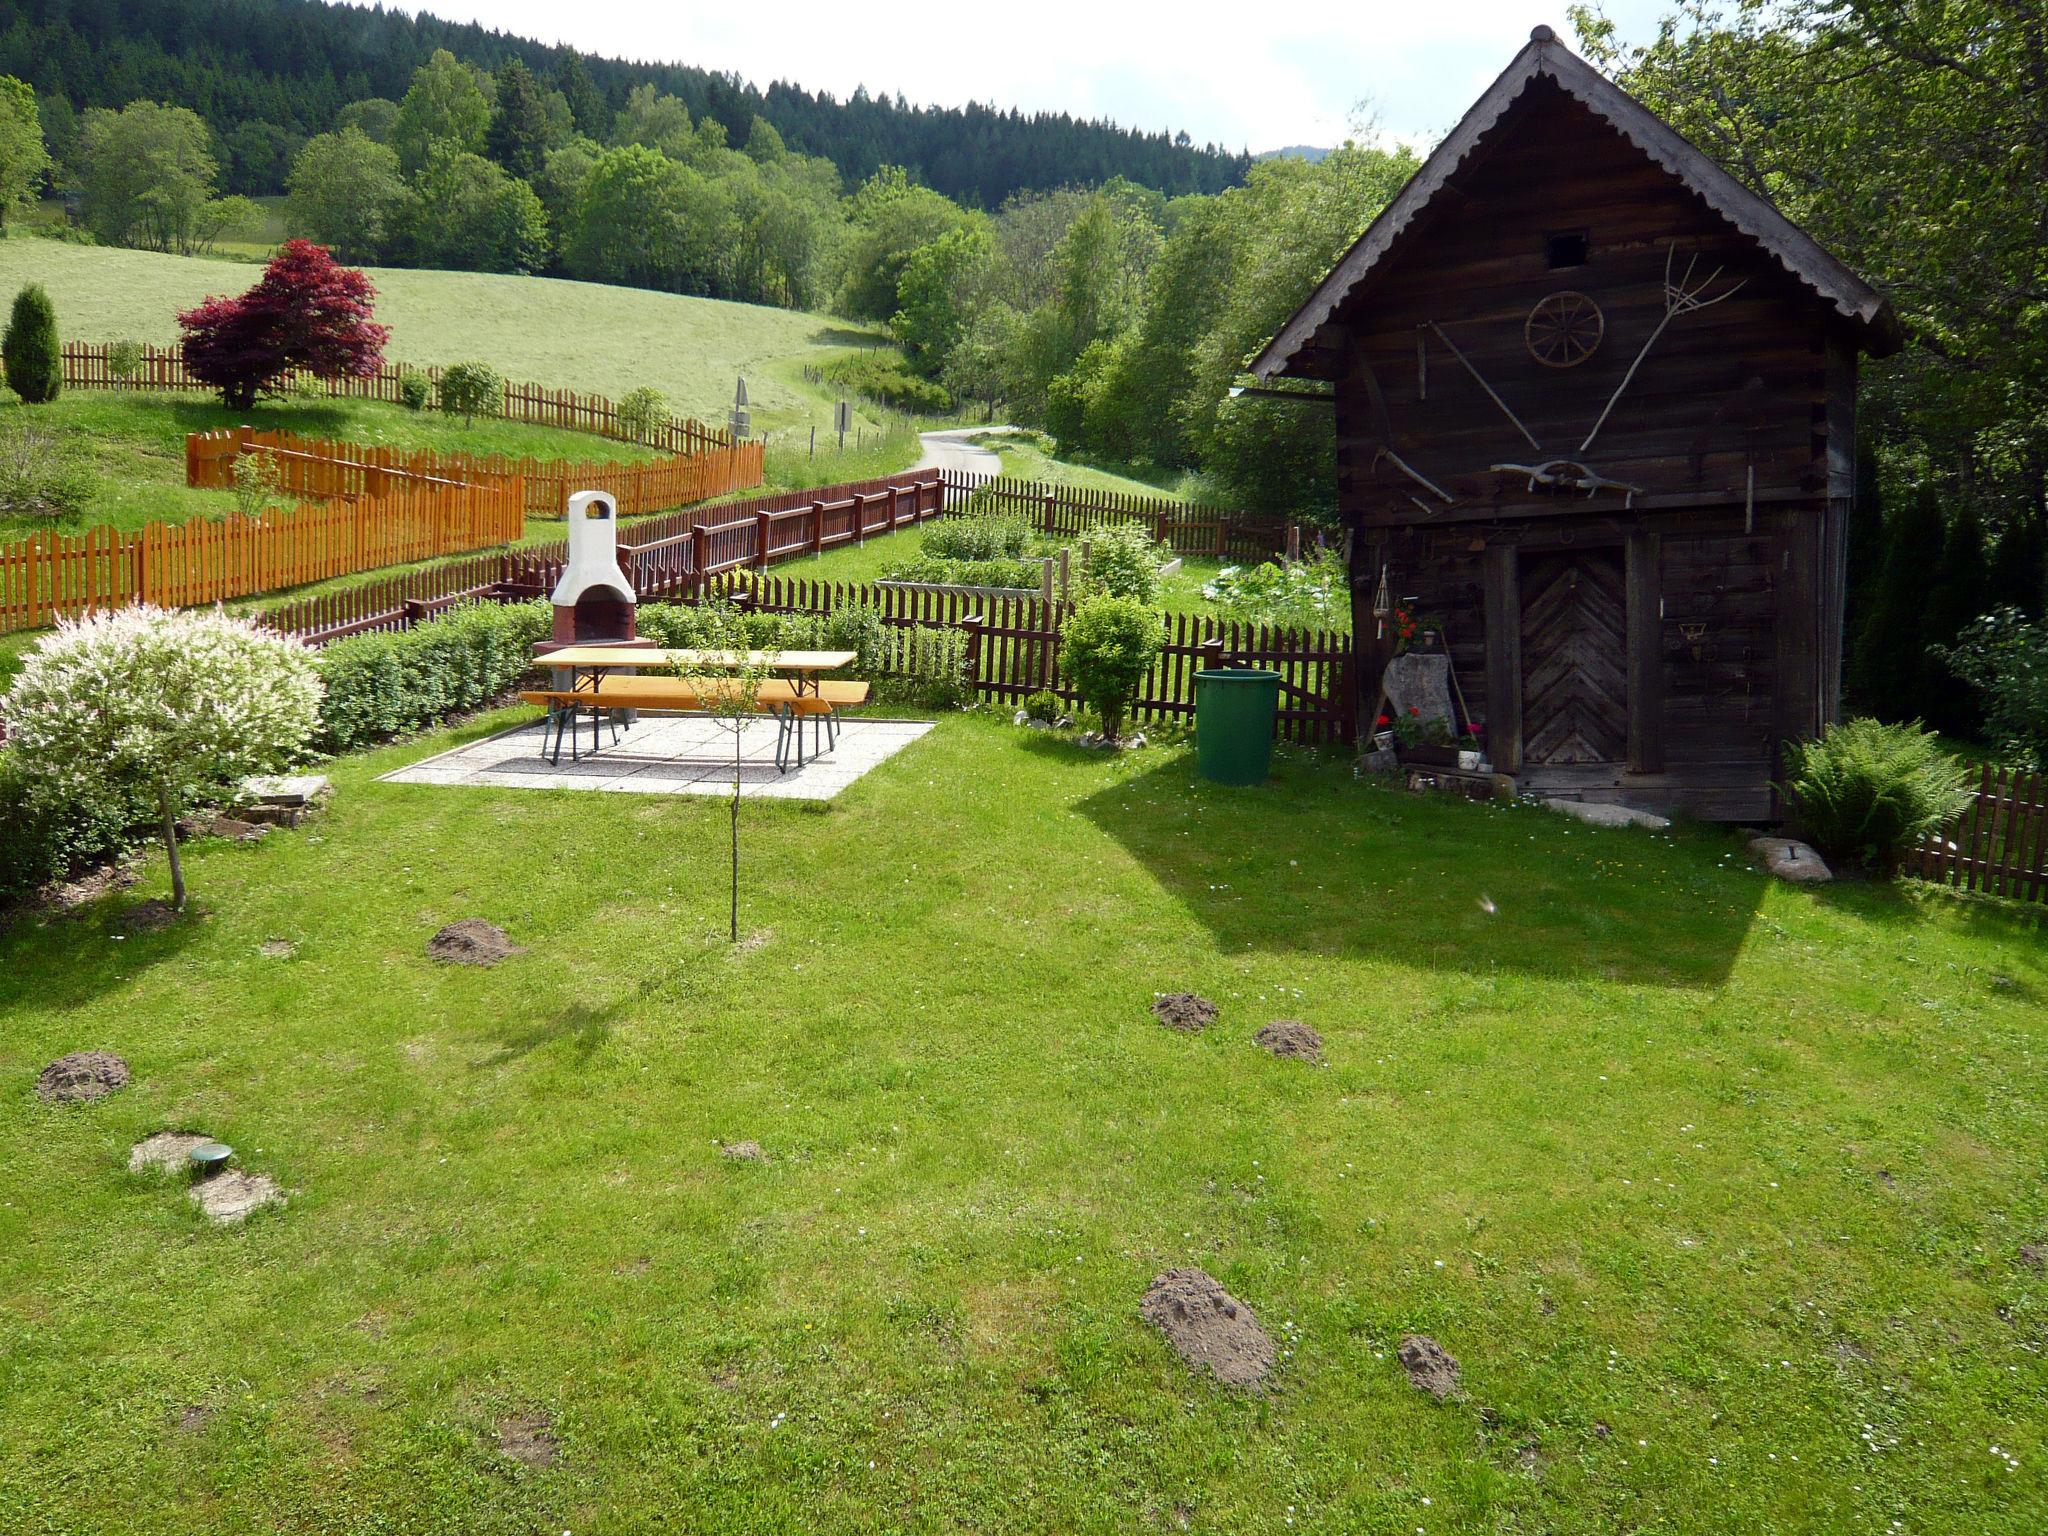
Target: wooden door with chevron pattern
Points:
(1574, 657)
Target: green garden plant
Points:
(1106, 649)
(149, 702)
(40, 475)
(2004, 656)
(470, 390)
(415, 389)
(33, 359)
(1867, 791)
(1123, 561)
(643, 413)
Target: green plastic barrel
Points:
(1234, 713)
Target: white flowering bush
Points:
(147, 701)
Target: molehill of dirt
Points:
(82, 1077)
(1429, 1366)
(1209, 1328)
(472, 941)
(1184, 1011)
(1292, 1039)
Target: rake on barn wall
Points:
(1683, 297)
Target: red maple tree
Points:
(305, 312)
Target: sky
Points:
(1240, 75)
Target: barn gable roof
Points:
(1545, 58)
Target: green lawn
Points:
(566, 335)
(1715, 1187)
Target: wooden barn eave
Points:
(1292, 352)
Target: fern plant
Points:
(1867, 792)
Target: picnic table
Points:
(615, 679)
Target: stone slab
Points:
(661, 755)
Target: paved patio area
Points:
(679, 756)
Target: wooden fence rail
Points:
(320, 468)
(1066, 511)
(204, 561)
(96, 365)
(1999, 845)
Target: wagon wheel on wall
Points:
(1564, 329)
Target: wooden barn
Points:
(1596, 416)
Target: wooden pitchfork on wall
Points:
(1680, 298)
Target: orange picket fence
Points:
(320, 468)
(205, 561)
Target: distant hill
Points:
(293, 64)
(1308, 152)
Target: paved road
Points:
(952, 450)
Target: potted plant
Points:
(1472, 750)
(1424, 739)
(1383, 732)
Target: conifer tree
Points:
(34, 359)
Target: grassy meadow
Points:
(567, 335)
(1716, 1188)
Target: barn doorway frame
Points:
(1642, 575)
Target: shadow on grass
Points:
(586, 1026)
(66, 959)
(1315, 862)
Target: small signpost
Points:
(842, 422)
(742, 418)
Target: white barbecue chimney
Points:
(594, 600)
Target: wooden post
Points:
(1046, 516)
(1045, 580)
(1645, 653)
(1066, 573)
(817, 527)
(764, 535)
(700, 555)
(860, 518)
(1293, 543)
(1222, 536)
(1503, 657)
(972, 627)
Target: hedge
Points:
(385, 685)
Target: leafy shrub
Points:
(927, 667)
(1866, 792)
(256, 483)
(643, 414)
(124, 359)
(1106, 649)
(149, 701)
(51, 837)
(1123, 561)
(29, 351)
(39, 475)
(1042, 705)
(385, 685)
(1309, 594)
(887, 380)
(415, 389)
(470, 390)
(982, 536)
(966, 573)
(2004, 656)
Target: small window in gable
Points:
(1566, 248)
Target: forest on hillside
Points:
(266, 75)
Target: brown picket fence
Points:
(94, 365)
(205, 561)
(1185, 528)
(321, 468)
(1013, 649)
(1999, 845)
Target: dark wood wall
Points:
(1737, 427)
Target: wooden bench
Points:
(614, 693)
